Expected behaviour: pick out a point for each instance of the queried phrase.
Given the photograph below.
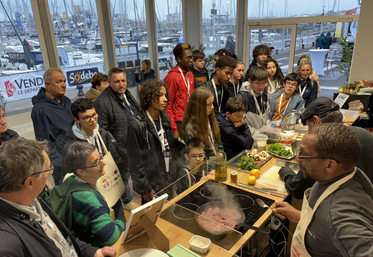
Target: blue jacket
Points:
(310, 93)
(320, 41)
(234, 140)
(296, 102)
(51, 121)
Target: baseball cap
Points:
(320, 107)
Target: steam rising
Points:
(219, 192)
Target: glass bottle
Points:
(221, 165)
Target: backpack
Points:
(60, 200)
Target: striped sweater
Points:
(91, 218)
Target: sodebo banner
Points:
(26, 85)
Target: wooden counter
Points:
(177, 235)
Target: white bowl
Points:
(199, 243)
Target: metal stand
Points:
(2, 102)
(80, 90)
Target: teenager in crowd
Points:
(200, 73)
(217, 55)
(6, 134)
(199, 121)
(235, 82)
(285, 99)
(151, 142)
(252, 93)
(260, 55)
(275, 76)
(180, 84)
(218, 85)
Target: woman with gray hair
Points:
(91, 214)
(28, 226)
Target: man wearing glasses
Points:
(28, 226)
(51, 116)
(324, 110)
(285, 99)
(336, 218)
(252, 93)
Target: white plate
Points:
(144, 252)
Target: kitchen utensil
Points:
(262, 204)
(262, 190)
(212, 227)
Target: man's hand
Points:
(106, 251)
(137, 71)
(148, 197)
(284, 210)
(176, 135)
(239, 123)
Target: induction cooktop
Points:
(214, 191)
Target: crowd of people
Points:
(160, 139)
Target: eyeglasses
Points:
(51, 168)
(301, 157)
(89, 118)
(288, 83)
(97, 164)
(197, 156)
(263, 84)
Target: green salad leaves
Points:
(279, 150)
(247, 164)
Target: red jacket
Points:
(178, 94)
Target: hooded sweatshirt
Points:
(234, 140)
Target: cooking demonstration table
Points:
(178, 232)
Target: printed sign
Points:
(79, 77)
(25, 85)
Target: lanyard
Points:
(256, 102)
(216, 94)
(304, 89)
(160, 133)
(279, 105)
(128, 106)
(185, 81)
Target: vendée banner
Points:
(26, 85)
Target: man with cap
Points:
(336, 218)
(324, 110)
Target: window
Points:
(265, 9)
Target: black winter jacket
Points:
(51, 121)
(22, 237)
(234, 140)
(226, 95)
(146, 161)
(112, 118)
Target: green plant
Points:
(345, 66)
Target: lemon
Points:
(255, 173)
(251, 180)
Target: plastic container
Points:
(272, 133)
(286, 137)
(260, 142)
(221, 165)
(199, 243)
